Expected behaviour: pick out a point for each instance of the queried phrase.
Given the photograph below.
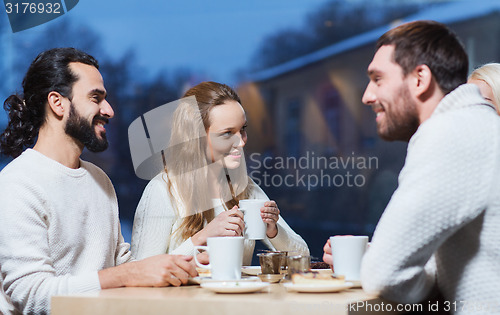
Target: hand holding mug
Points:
(327, 256)
(228, 223)
(270, 215)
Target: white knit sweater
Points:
(59, 227)
(156, 219)
(442, 224)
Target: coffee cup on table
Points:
(255, 227)
(347, 253)
(225, 255)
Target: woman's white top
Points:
(156, 220)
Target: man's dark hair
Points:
(430, 43)
(49, 72)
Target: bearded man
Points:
(60, 232)
(441, 229)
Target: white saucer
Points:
(234, 286)
(200, 280)
(317, 288)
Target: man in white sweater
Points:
(441, 228)
(60, 231)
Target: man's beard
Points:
(401, 125)
(83, 131)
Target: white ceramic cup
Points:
(255, 227)
(226, 256)
(347, 253)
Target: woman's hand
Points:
(327, 256)
(228, 223)
(270, 215)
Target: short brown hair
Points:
(430, 43)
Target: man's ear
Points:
(422, 77)
(56, 103)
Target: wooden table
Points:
(196, 300)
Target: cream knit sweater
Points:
(59, 227)
(442, 224)
(156, 220)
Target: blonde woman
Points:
(487, 78)
(197, 194)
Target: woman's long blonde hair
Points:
(490, 74)
(186, 161)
